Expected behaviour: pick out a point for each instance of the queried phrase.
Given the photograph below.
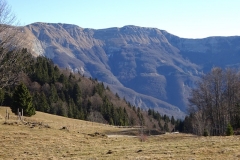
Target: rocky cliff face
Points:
(147, 66)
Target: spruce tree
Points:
(22, 99)
(172, 120)
(43, 104)
(166, 127)
(76, 94)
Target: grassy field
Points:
(45, 136)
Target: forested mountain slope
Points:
(68, 94)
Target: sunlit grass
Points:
(79, 141)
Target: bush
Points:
(205, 133)
(142, 138)
(229, 130)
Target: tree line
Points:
(215, 103)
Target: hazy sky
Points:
(184, 18)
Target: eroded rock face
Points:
(147, 66)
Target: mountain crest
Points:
(149, 67)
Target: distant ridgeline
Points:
(71, 95)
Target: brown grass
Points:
(86, 140)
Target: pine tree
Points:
(53, 94)
(166, 127)
(76, 94)
(40, 102)
(23, 100)
(111, 121)
(43, 102)
(160, 125)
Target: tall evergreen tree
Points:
(23, 100)
(53, 94)
(43, 104)
(166, 127)
(76, 94)
(172, 120)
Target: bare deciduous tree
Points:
(13, 59)
(213, 102)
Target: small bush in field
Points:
(142, 138)
(229, 130)
(205, 133)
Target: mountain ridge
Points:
(148, 66)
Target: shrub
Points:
(142, 138)
(229, 130)
(205, 133)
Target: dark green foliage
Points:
(166, 127)
(89, 106)
(7, 98)
(166, 118)
(154, 114)
(114, 115)
(76, 94)
(44, 71)
(53, 94)
(61, 109)
(68, 94)
(40, 102)
(205, 133)
(99, 88)
(2, 94)
(22, 100)
(111, 121)
(179, 124)
(229, 130)
(160, 125)
(187, 124)
(71, 107)
(62, 79)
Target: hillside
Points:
(60, 92)
(88, 140)
(151, 68)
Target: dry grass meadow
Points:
(45, 136)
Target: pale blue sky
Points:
(184, 18)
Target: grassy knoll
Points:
(46, 136)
